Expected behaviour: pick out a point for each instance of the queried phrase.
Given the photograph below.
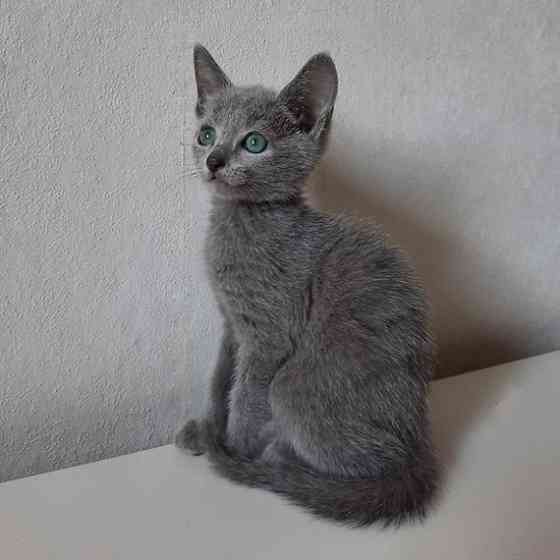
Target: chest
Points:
(257, 276)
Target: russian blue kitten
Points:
(319, 392)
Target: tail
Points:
(358, 502)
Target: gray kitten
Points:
(319, 393)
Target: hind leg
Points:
(294, 416)
(325, 415)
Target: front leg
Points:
(249, 408)
(192, 435)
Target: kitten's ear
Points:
(310, 96)
(210, 78)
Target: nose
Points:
(216, 160)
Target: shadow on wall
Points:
(468, 338)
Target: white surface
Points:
(497, 431)
(446, 130)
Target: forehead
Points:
(240, 107)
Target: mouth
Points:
(216, 178)
(220, 180)
(209, 176)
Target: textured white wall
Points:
(447, 130)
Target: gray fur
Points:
(319, 393)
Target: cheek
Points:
(199, 155)
(253, 163)
(239, 162)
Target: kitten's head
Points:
(253, 144)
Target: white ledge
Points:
(497, 430)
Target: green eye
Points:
(206, 136)
(255, 143)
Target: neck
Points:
(262, 205)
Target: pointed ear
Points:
(310, 96)
(210, 78)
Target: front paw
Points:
(192, 437)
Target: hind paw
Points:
(191, 437)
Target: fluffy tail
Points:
(357, 502)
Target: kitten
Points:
(319, 393)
